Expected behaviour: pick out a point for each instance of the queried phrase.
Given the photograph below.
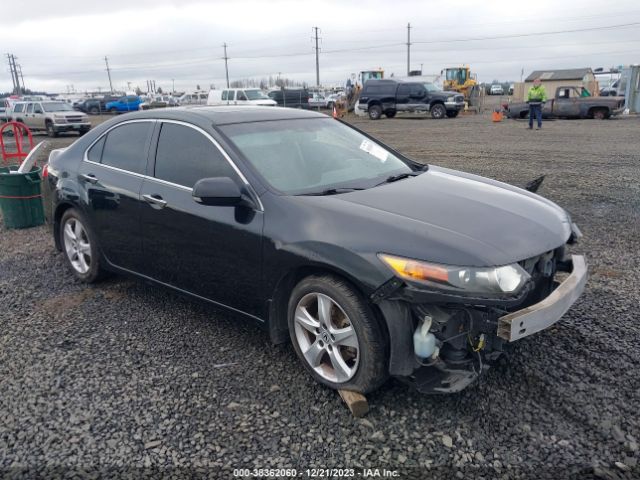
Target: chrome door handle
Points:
(155, 201)
(89, 177)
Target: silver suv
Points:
(52, 116)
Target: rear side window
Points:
(95, 153)
(185, 156)
(224, 95)
(230, 95)
(30, 108)
(386, 89)
(126, 146)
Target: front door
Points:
(37, 121)
(211, 251)
(111, 176)
(566, 104)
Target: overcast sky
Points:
(64, 42)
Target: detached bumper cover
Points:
(530, 320)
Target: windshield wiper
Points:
(333, 191)
(400, 176)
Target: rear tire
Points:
(94, 110)
(343, 343)
(438, 111)
(375, 112)
(113, 111)
(80, 247)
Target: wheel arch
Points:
(57, 216)
(277, 321)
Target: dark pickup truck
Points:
(392, 96)
(568, 103)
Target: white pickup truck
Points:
(52, 116)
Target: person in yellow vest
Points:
(535, 98)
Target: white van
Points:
(239, 96)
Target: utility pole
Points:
(317, 57)
(13, 76)
(173, 85)
(408, 48)
(226, 65)
(106, 61)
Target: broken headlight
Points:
(479, 280)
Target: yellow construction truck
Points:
(459, 79)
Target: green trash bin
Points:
(21, 198)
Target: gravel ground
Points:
(124, 379)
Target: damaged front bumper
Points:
(471, 332)
(537, 317)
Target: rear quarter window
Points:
(380, 89)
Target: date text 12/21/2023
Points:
(337, 473)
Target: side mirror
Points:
(218, 191)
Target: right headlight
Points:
(479, 280)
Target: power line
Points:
(533, 34)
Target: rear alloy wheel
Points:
(375, 112)
(438, 111)
(79, 247)
(336, 335)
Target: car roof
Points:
(225, 115)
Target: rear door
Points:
(211, 251)
(111, 176)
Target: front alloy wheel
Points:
(336, 334)
(326, 337)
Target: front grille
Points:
(74, 119)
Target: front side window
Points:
(241, 95)
(185, 155)
(310, 156)
(18, 108)
(125, 146)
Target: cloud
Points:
(64, 43)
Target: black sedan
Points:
(371, 264)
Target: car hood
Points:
(447, 217)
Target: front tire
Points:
(390, 113)
(51, 131)
(80, 247)
(438, 111)
(336, 335)
(452, 113)
(375, 112)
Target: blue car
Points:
(128, 103)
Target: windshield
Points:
(431, 87)
(56, 107)
(313, 155)
(256, 95)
